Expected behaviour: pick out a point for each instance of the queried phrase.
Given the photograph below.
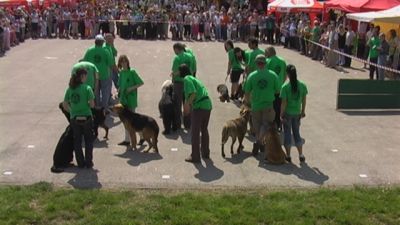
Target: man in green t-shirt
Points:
(92, 73)
(278, 65)
(255, 51)
(103, 60)
(198, 104)
(109, 45)
(193, 64)
(373, 44)
(181, 57)
(261, 85)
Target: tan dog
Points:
(236, 129)
(273, 149)
(135, 122)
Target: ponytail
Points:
(76, 78)
(292, 73)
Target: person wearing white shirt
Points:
(348, 48)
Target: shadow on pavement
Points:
(237, 158)
(84, 178)
(183, 134)
(137, 157)
(304, 172)
(208, 172)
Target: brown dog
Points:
(135, 122)
(273, 149)
(236, 129)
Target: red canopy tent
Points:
(360, 5)
(285, 6)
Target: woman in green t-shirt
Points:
(293, 94)
(78, 101)
(235, 66)
(197, 100)
(129, 81)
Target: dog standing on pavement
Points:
(135, 122)
(167, 109)
(223, 93)
(235, 129)
(273, 148)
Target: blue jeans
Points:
(115, 78)
(291, 124)
(85, 129)
(104, 93)
(218, 32)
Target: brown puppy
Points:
(135, 122)
(273, 149)
(236, 129)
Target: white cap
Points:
(99, 37)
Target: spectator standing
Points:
(373, 44)
(383, 55)
(348, 48)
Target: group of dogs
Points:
(135, 122)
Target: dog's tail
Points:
(225, 135)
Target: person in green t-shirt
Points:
(293, 94)
(181, 57)
(261, 85)
(198, 104)
(103, 60)
(92, 73)
(193, 64)
(278, 65)
(129, 82)
(78, 101)
(235, 66)
(255, 51)
(374, 43)
(109, 45)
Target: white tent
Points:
(388, 16)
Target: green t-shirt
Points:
(294, 100)
(91, 70)
(251, 60)
(182, 58)
(316, 33)
(78, 100)
(102, 58)
(193, 85)
(112, 50)
(262, 86)
(278, 65)
(127, 79)
(374, 43)
(235, 64)
(193, 64)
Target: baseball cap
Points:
(260, 58)
(99, 37)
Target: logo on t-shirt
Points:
(75, 98)
(262, 84)
(97, 59)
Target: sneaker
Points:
(54, 169)
(302, 158)
(124, 143)
(288, 159)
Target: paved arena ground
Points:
(342, 148)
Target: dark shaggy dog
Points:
(223, 93)
(64, 152)
(236, 129)
(273, 149)
(167, 109)
(135, 122)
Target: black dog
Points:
(223, 92)
(99, 118)
(167, 109)
(63, 154)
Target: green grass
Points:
(44, 204)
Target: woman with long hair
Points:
(78, 101)
(129, 82)
(235, 66)
(293, 94)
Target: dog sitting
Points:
(166, 84)
(223, 93)
(273, 149)
(135, 122)
(167, 110)
(236, 129)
